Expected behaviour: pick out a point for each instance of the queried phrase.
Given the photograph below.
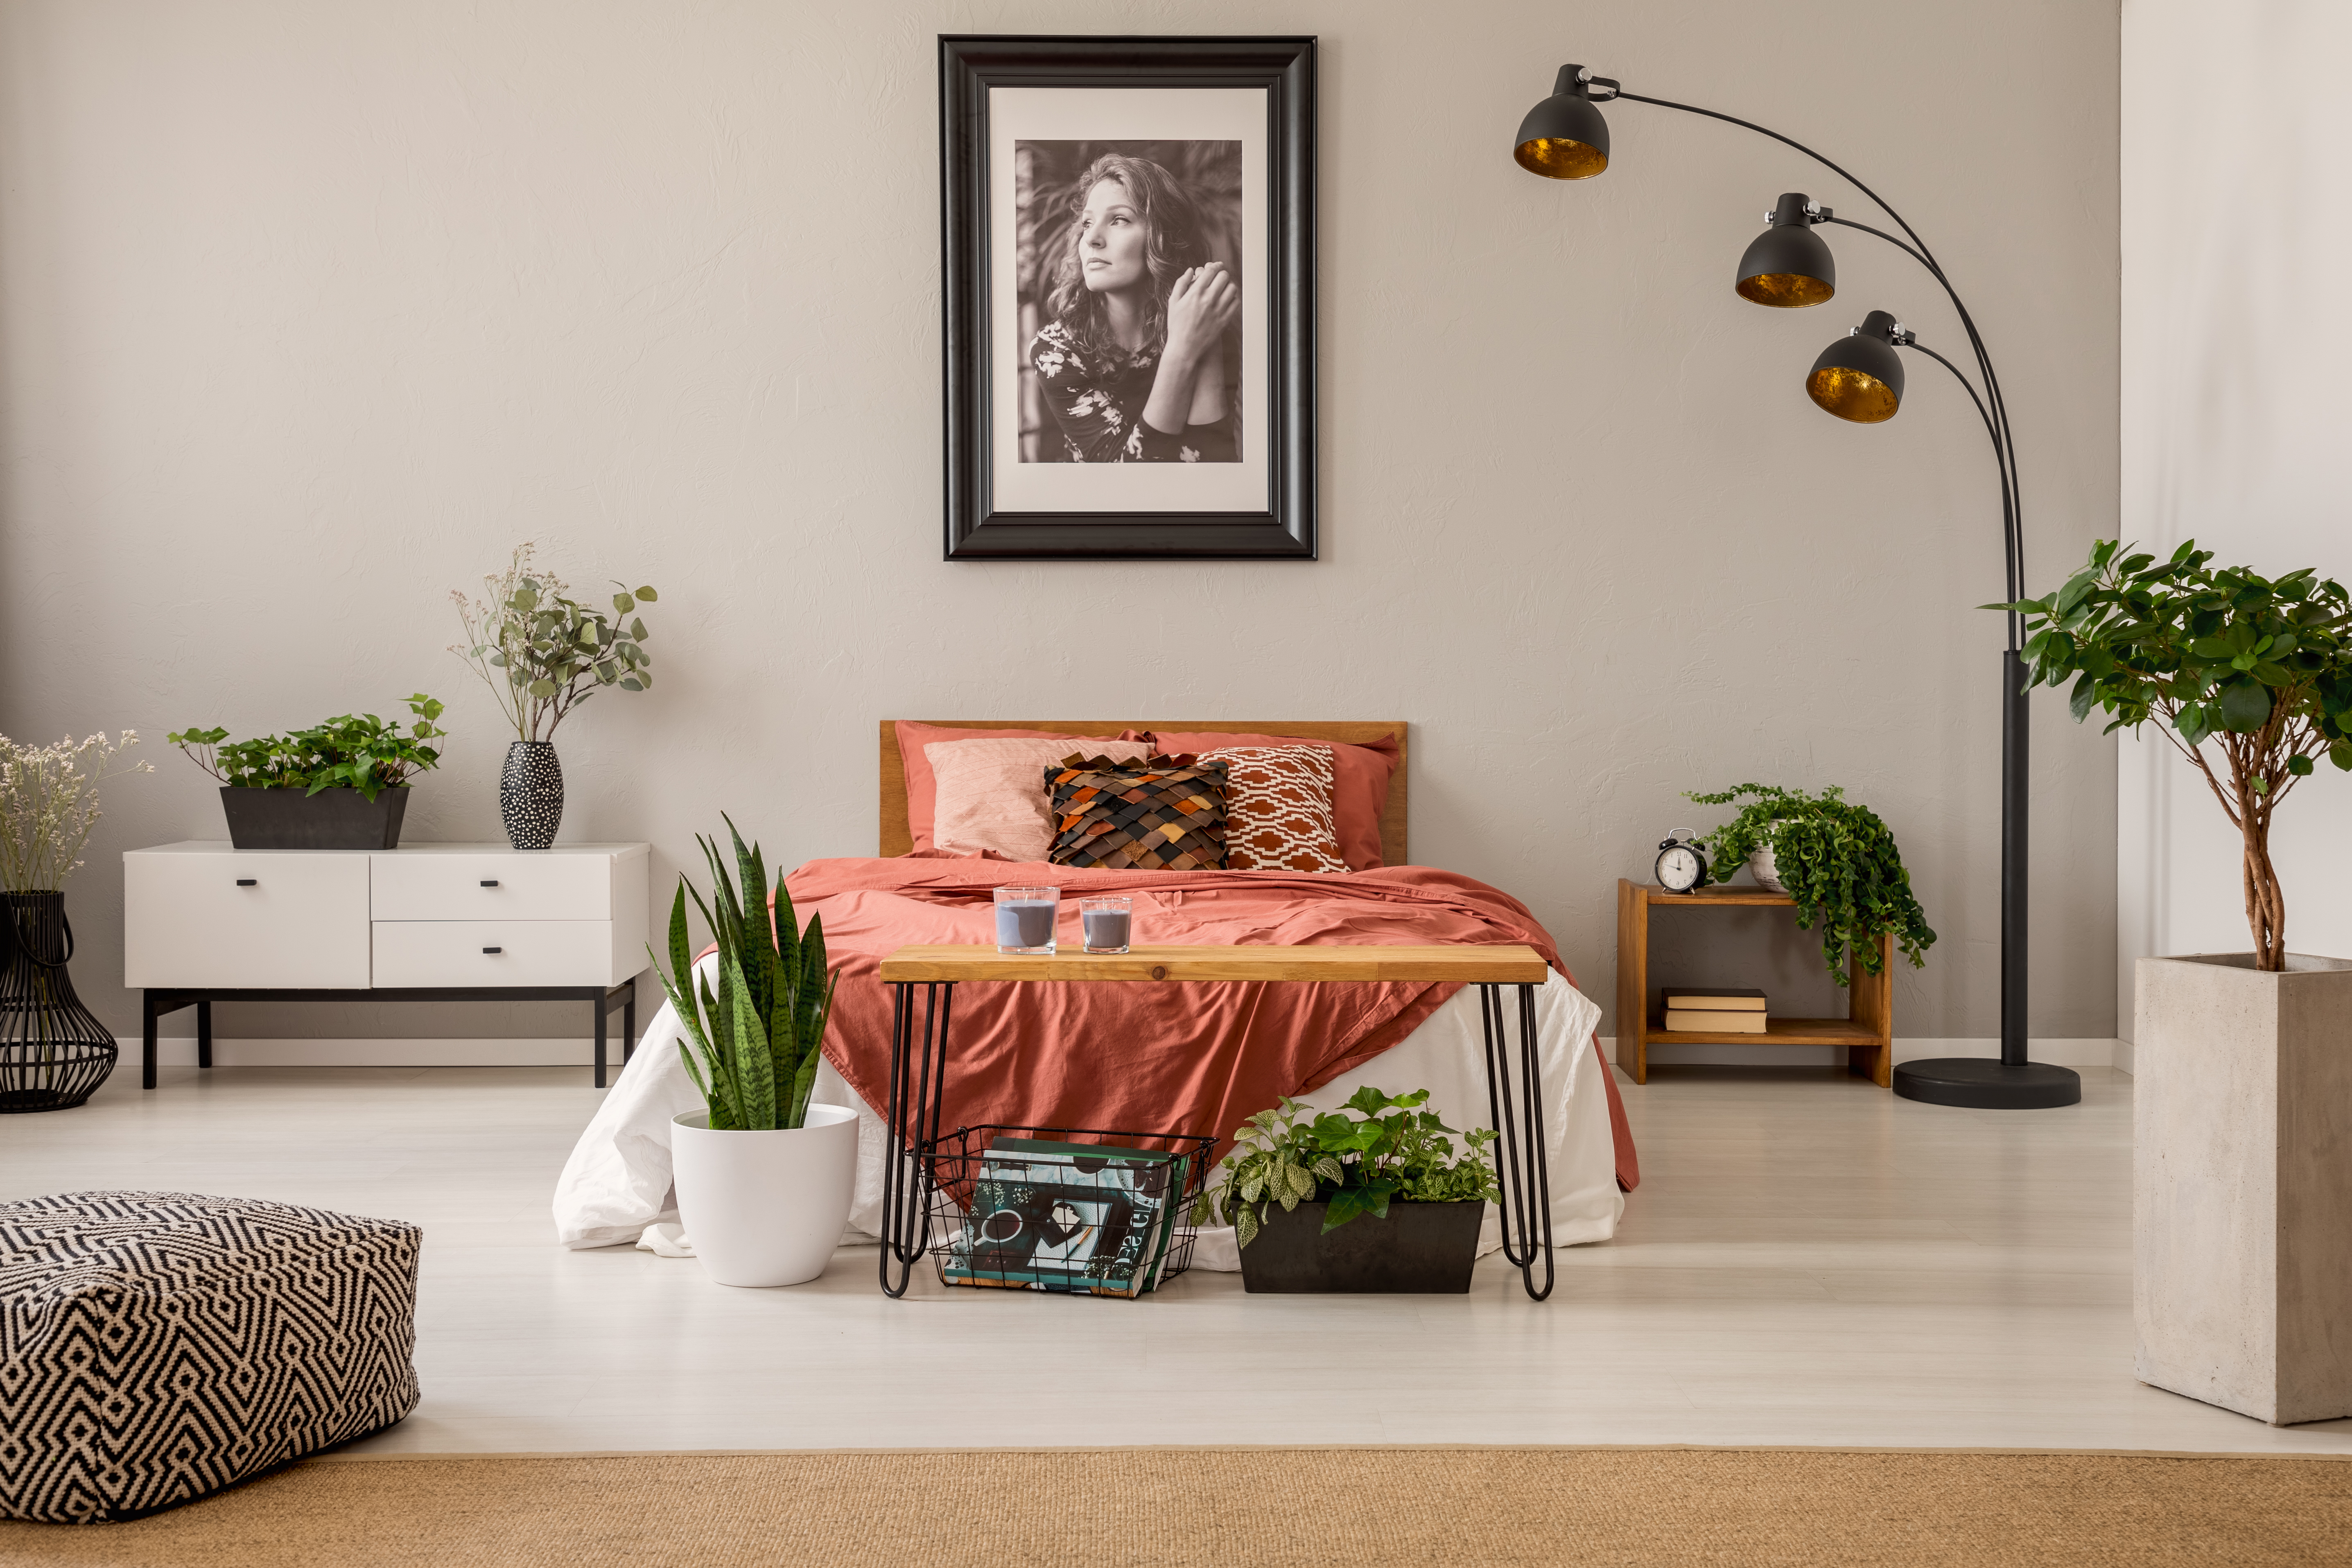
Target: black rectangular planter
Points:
(1420, 1249)
(331, 819)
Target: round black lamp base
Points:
(1981, 1083)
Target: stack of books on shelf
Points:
(1085, 1218)
(1719, 1011)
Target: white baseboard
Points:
(181, 1051)
(2066, 1053)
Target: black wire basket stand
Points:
(954, 1163)
(53, 1051)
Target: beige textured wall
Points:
(2235, 325)
(309, 312)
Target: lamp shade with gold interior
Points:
(1860, 377)
(1564, 137)
(1787, 265)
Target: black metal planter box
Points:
(331, 819)
(1420, 1249)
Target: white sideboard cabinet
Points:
(205, 922)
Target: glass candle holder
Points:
(1108, 923)
(1025, 920)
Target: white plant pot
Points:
(765, 1208)
(1760, 867)
(2241, 1183)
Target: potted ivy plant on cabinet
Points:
(341, 783)
(2241, 1147)
(1377, 1201)
(542, 653)
(764, 1178)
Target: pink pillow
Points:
(1278, 809)
(922, 794)
(991, 794)
(1360, 781)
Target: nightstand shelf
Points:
(1868, 1034)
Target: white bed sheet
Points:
(617, 1181)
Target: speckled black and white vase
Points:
(530, 795)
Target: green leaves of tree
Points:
(1376, 1149)
(353, 752)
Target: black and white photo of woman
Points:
(1135, 360)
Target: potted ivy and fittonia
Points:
(542, 654)
(53, 1051)
(1835, 858)
(1380, 1200)
(339, 784)
(764, 1178)
(2242, 1146)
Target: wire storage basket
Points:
(1033, 1208)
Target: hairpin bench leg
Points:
(912, 1127)
(1524, 1176)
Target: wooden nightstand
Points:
(1869, 1031)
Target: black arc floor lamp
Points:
(1860, 378)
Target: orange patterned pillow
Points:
(1278, 814)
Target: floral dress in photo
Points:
(1096, 410)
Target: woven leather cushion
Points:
(1278, 809)
(1164, 814)
(155, 1347)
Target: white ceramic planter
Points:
(2241, 1183)
(1760, 867)
(765, 1208)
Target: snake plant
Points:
(757, 1032)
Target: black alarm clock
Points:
(1680, 867)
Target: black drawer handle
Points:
(249, 882)
(492, 882)
(494, 950)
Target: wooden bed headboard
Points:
(897, 838)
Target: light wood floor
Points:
(1808, 1261)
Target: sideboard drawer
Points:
(529, 952)
(299, 919)
(492, 886)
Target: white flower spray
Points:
(49, 804)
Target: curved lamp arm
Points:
(1996, 415)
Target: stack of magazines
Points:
(1085, 1218)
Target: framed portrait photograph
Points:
(1128, 249)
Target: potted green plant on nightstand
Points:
(1834, 858)
(764, 1178)
(542, 654)
(339, 784)
(1377, 1201)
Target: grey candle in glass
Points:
(1024, 918)
(1108, 923)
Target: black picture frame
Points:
(1284, 69)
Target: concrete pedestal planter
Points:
(2241, 1183)
(765, 1208)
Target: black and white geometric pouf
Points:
(155, 1347)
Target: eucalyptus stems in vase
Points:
(542, 653)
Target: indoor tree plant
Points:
(53, 1051)
(542, 654)
(1835, 857)
(343, 784)
(764, 1178)
(2242, 1063)
(1379, 1200)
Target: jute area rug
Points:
(1363, 1508)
